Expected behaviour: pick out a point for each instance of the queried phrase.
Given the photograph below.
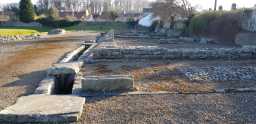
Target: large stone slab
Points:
(107, 83)
(43, 109)
(65, 68)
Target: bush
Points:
(221, 25)
(132, 23)
(57, 23)
(199, 23)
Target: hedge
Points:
(57, 23)
(221, 25)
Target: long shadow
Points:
(29, 81)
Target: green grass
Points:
(88, 26)
(98, 26)
(13, 31)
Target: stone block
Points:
(45, 86)
(246, 39)
(44, 109)
(107, 83)
(65, 68)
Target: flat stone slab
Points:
(44, 109)
(107, 83)
(65, 68)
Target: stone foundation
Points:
(152, 52)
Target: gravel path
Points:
(23, 65)
(171, 109)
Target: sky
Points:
(201, 4)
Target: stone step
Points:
(44, 109)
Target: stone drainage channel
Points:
(52, 101)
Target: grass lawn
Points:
(13, 31)
(88, 26)
(98, 26)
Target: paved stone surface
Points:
(236, 108)
(43, 109)
(107, 83)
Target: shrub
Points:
(199, 23)
(131, 23)
(57, 23)
(221, 25)
(153, 27)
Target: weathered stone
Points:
(65, 68)
(107, 83)
(246, 39)
(57, 31)
(45, 86)
(175, 53)
(72, 55)
(44, 109)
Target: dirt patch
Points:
(22, 69)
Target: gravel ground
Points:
(220, 73)
(23, 64)
(172, 76)
(171, 109)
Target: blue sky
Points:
(201, 4)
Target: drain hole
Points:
(63, 84)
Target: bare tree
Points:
(168, 10)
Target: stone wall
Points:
(141, 52)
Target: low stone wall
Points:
(141, 52)
(5, 39)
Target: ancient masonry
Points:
(58, 98)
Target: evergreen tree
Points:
(27, 12)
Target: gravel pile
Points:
(220, 73)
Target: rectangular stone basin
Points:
(107, 83)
